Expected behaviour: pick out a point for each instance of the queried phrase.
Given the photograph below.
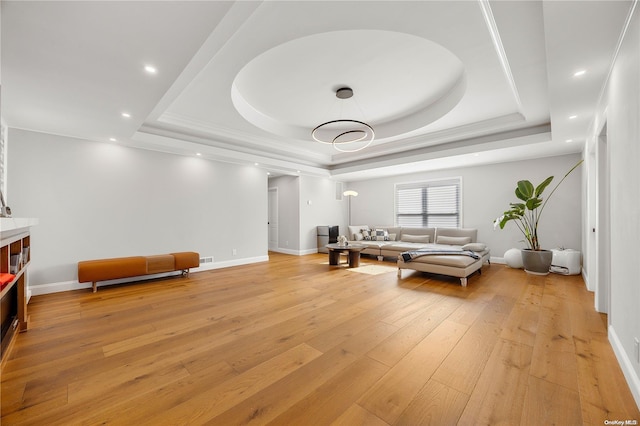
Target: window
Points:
(429, 204)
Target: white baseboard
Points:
(285, 251)
(58, 287)
(37, 290)
(308, 251)
(295, 252)
(229, 263)
(499, 260)
(585, 278)
(625, 363)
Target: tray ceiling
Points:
(442, 83)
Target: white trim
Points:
(236, 136)
(498, 260)
(229, 263)
(295, 252)
(585, 278)
(487, 13)
(308, 251)
(625, 364)
(621, 38)
(37, 290)
(58, 287)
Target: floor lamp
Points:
(350, 193)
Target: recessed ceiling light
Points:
(113, 139)
(256, 164)
(198, 154)
(571, 117)
(569, 140)
(126, 115)
(297, 171)
(268, 173)
(476, 155)
(579, 73)
(150, 69)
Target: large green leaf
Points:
(524, 191)
(506, 218)
(517, 209)
(543, 185)
(533, 203)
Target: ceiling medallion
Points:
(344, 132)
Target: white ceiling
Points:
(443, 83)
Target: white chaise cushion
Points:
(477, 247)
(415, 238)
(455, 241)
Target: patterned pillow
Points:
(366, 234)
(381, 235)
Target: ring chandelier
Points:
(346, 131)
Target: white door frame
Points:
(272, 217)
(603, 224)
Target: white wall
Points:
(288, 212)
(487, 192)
(621, 110)
(319, 206)
(98, 200)
(305, 202)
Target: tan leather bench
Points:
(125, 267)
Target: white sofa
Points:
(389, 241)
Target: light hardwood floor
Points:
(294, 341)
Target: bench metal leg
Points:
(95, 286)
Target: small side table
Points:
(353, 250)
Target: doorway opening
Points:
(272, 220)
(603, 224)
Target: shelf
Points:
(21, 272)
(8, 224)
(15, 240)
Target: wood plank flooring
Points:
(294, 341)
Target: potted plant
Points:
(526, 215)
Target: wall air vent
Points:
(206, 259)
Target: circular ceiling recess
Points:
(400, 83)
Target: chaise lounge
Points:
(447, 251)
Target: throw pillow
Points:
(408, 238)
(474, 247)
(366, 234)
(354, 230)
(454, 241)
(5, 279)
(381, 235)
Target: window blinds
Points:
(429, 204)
